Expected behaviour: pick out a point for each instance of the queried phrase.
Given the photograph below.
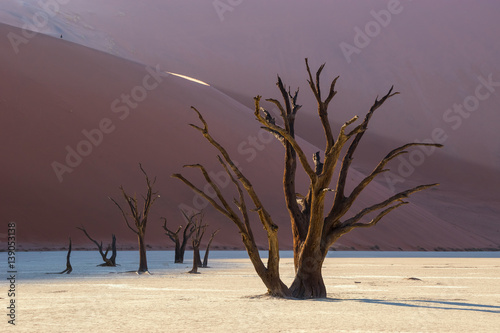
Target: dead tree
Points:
(180, 247)
(68, 269)
(314, 228)
(205, 258)
(111, 261)
(140, 217)
(196, 241)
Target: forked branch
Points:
(353, 221)
(323, 105)
(342, 203)
(346, 162)
(288, 137)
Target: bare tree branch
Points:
(346, 162)
(323, 105)
(173, 235)
(104, 255)
(241, 203)
(342, 204)
(385, 203)
(123, 214)
(203, 194)
(302, 157)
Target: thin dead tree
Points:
(68, 269)
(196, 241)
(180, 246)
(315, 229)
(111, 261)
(140, 217)
(207, 251)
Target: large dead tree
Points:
(315, 228)
(180, 246)
(111, 261)
(140, 217)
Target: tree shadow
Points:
(426, 304)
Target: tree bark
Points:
(178, 258)
(112, 259)
(196, 260)
(308, 282)
(182, 247)
(198, 257)
(143, 261)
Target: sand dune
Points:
(434, 57)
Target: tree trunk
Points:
(205, 258)
(271, 278)
(297, 247)
(111, 262)
(197, 256)
(179, 256)
(275, 287)
(182, 250)
(143, 261)
(308, 282)
(112, 259)
(196, 260)
(68, 269)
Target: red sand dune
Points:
(432, 52)
(52, 90)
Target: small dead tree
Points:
(111, 261)
(140, 217)
(205, 258)
(180, 247)
(314, 228)
(68, 269)
(196, 241)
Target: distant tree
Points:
(68, 269)
(140, 217)
(314, 228)
(207, 251)
(111, 261)
(196, 241)
(180, 246)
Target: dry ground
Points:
(364, 295)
